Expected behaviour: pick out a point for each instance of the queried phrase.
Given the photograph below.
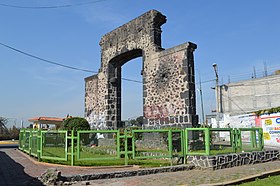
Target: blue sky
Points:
(237, 35)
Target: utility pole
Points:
(215, 66)
(201, 101)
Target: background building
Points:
(250, 95)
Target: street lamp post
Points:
(215, 66)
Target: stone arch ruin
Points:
(168, 77)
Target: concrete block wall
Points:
(250, 95)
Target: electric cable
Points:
(58, 64)
(45, 60)
(50, 7)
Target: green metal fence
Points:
(98, 145)
(212, 141)
(249, 139)
(95, 145)
(54, 145)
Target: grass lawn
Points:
(59, 152)
(270, 181)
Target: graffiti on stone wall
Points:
(97, 121)
(159, 111)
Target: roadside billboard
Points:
(271, 129)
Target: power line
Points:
(71, 67)
(136, 81)
(50, 7)
(58, 64)
(45, 60)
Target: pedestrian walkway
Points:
(18, 168)
(193, 177)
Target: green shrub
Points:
(76, 123)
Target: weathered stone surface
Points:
(50, 177)
(232, 160)
(120, 174)
(168, 77)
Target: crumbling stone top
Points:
(144, 24)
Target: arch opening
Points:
(116, 83)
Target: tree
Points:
(14, 132)
(3, 122)
(75, 123)
(137, 122)
(3, 128)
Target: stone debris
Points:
(51, 177)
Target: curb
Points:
(246, 179)
(129, 173)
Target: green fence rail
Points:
(94, 145)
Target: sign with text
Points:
(271, 129)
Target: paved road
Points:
(11, 172)
(14, 146)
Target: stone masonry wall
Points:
(168, 77)
(169, 96)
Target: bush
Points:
(76, 123)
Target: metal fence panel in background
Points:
(151, 144)
(197, 141)
(250, 139)
(26, 141)
(34, 143)
(98, 145)
(54, 145)
(221, 141)
(21, 139)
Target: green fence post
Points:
(39, 145)
(186, 144)
(125, 147)
(239, 139)
(231, 136)
(261, 140)
(30, 142)
(170, 145)
(118, 144)
(255, 138)
(207, 141)
(72, 148)
(133, 144)
(183, 146)
(24, 139)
